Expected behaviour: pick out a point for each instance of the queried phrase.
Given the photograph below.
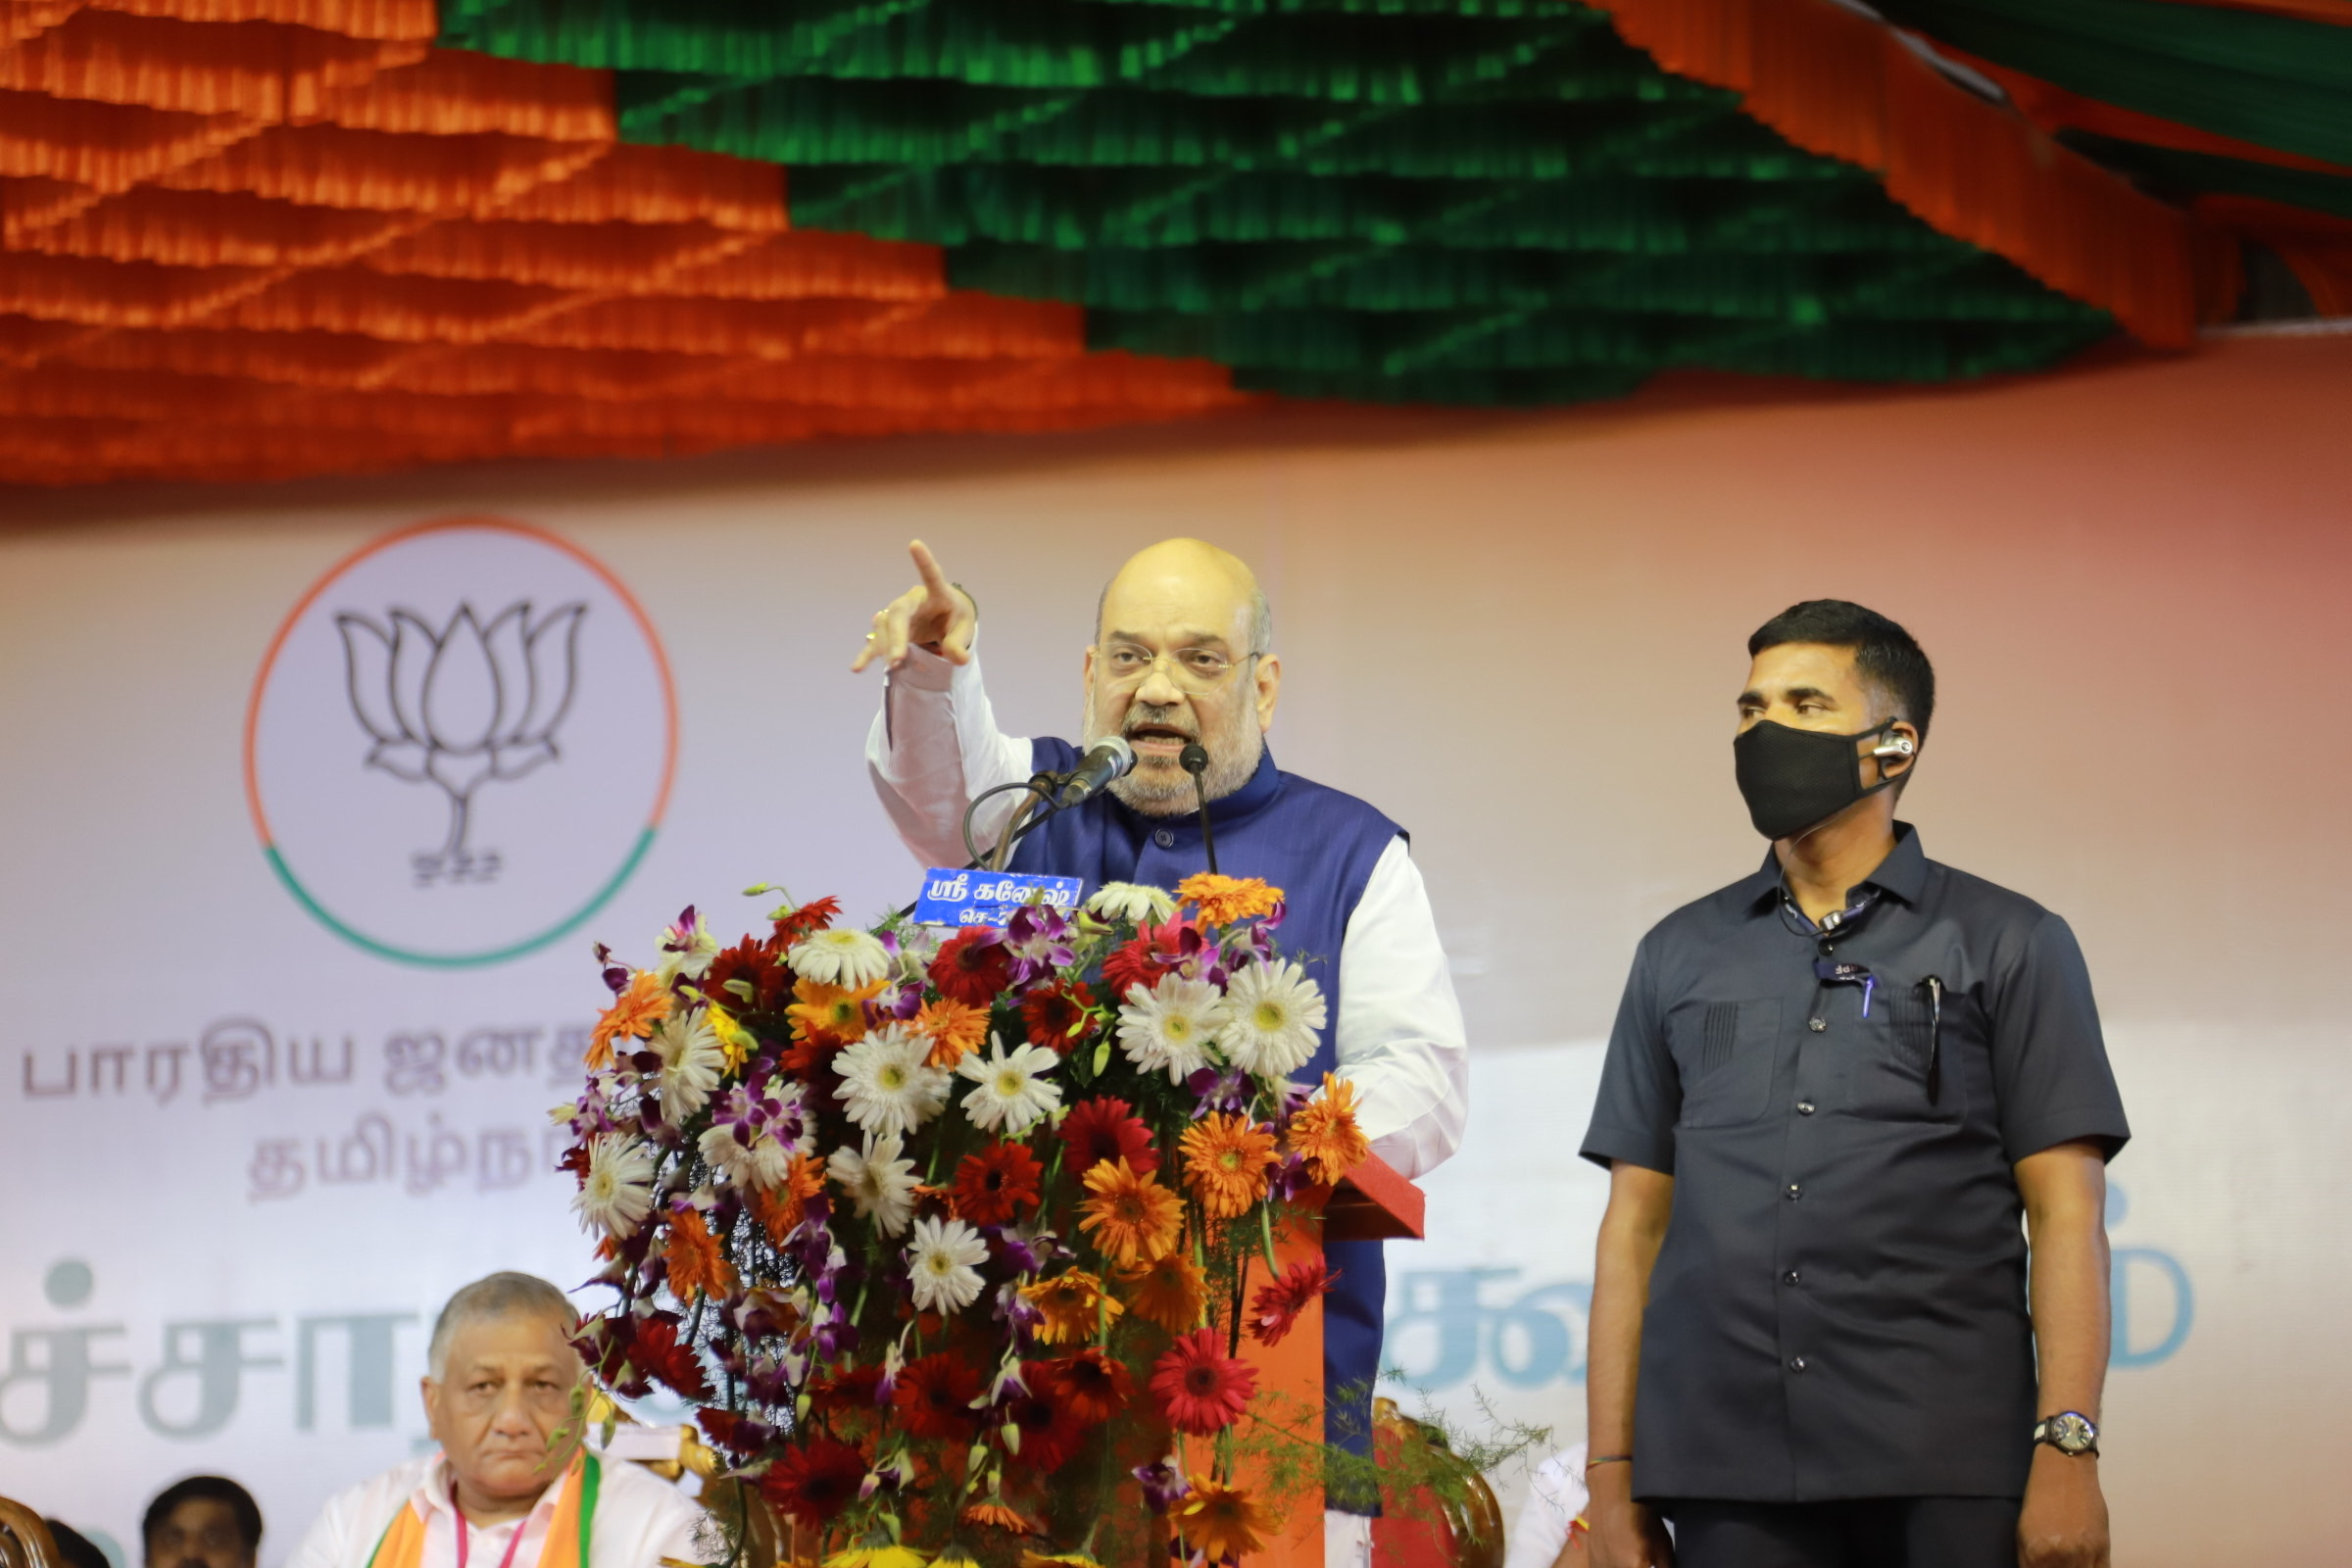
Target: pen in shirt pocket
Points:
(1933, 986)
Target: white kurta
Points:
(640, 1519)
(935, 747)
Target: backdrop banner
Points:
(319, 794)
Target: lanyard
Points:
(520, 1525)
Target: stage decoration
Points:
(948, 1272)
(292, 236)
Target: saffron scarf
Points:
(402, 1545)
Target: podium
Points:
(1371, 1203)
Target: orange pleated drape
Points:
(258, 238)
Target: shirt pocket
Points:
(1886, 1074)
(1724, 1052)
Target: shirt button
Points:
(1164, 839)
(1795, 1190)
(1817, 1025)
(1789, 1278)
(1796, 1363)
(1804, 1107)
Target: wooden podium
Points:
(1371, 1203)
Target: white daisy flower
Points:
(878, 1182)
(1132, 902)
(620, 1190)
(842, 956)
(762, 1166)
(687, 949)
(887, 1082)
(1272, 1015)
(1169, 1027)
(943, 1265)
(1010, 1092)
(692, 1059)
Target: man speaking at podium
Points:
(1183, 656)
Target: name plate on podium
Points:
(989, 897)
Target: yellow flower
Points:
(1074, 1304)
(1167, 1291)
(1222, 1521)
(1223, 900)
(1130, 1215)
(1325, 1135)
(832, 1015)
(876, 1557)
(1226, 1159)
(733, 1038)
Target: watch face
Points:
(2072, 1434)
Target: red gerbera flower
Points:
(1051, 1431)
(814, 916)
(1093, 1384)
(1155, 950)
(1276, 1306)
(1052, 1014)
(654, 1352)
(1106, 1128)
(755, 964)
(816, 1481)
(1201, 1389)
(993, 1186)
(853, 1389)
(934, 1397)
(973, 966)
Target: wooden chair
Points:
(24, 1541)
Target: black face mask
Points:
(1794, 779)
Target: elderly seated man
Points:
(512, 1485)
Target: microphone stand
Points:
(1194, 761)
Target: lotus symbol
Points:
(470, 702)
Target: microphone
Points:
(1111, 757)
(1194, 760)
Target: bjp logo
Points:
(436, 671)
(461, 706)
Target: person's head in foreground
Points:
(202, 1522)
(1183, 651)
(1835, 713)
(500, 1393)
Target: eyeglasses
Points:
(1194, 668)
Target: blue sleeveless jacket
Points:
(1319, 845)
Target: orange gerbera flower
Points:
(992, 1513)
(1167, 1291)
(632, 1016)
(1226, 1158)
(780, 1210)
(696, 1264)
(954, 1028)
(832, 1015)
(1222, 1521)
(1074, 1306)
(1131, 1215)
(1325, 1135)
(1223, 900)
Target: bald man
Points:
(1183, 653)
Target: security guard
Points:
(1833, 1090)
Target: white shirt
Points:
(935, 746)
(1556, 1496)
(640, 1519)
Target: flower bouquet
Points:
(954, 1246)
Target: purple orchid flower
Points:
(1228, 1090)
(1041, 932)
(616, 974)
(893, 1472)
(1164, 1484)
(1287, 1180)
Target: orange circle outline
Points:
(644, 624)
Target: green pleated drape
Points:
(1486, 201)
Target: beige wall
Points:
(1520, 634)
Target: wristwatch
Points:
(2070, 1432)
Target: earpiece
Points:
(1898, 746)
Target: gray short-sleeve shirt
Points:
(1839, 1308)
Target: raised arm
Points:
(1401, 1042)
(1625, 1533)
(935, 745)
